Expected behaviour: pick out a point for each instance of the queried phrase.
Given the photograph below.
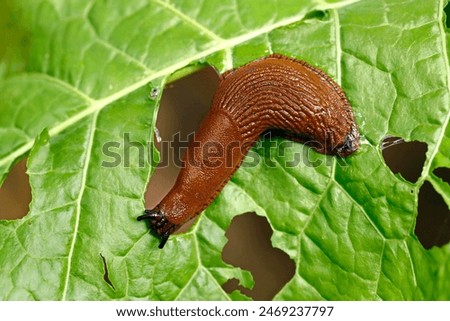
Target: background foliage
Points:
(77, 74)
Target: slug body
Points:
(274, 93)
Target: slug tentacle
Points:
(158, 224)
(275, 93)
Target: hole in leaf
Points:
(106, 273)
(433, 219)
(15, 193)
(447, 15)
(184, 103)
(249, 247)
(443, 173)
(316, 14)
(406, 158)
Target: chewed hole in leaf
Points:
(106, 272)
(316, 15)
(405, 158)
(433, 220)
(447, 13)
(443, 173)
(249, 247)
(15, 193)
(184, 103)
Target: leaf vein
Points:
(79, 200)
(97, 105)
(362, 209)
(427, 167)
(189, 20)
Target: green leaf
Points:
(347, 224)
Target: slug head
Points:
(158, 224)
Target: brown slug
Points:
(274, 93)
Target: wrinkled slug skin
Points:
(201, 178)
(277, 93)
